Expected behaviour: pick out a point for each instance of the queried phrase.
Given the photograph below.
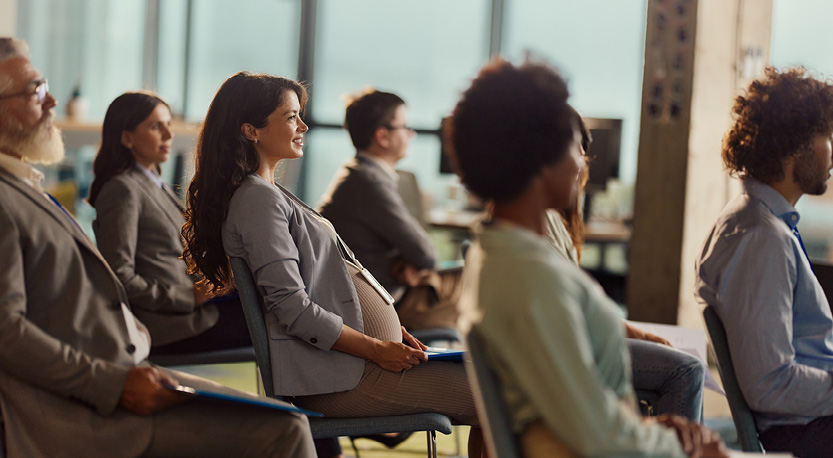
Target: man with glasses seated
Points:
(365, 205)
(74, 376)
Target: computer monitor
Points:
(603, 151)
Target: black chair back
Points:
(741, 414)
(491, 408)
(250, 299)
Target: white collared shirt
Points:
(152, 175)
(28, 174)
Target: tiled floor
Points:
(243, 376)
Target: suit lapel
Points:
(60, 217)
(160, 197)
(50, 208)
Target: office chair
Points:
(741, 414)
(491, 408)
(226, 355)
(326, 427)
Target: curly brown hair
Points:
(224, 158)
(509, 123)
(777, 118)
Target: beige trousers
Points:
(433, 303)
(537, 441)
(436, 386)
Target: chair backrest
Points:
(741, 414)
(824, 274)
(250, 299)
(411, 195)
(491, 408)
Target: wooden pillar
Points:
(698, 55)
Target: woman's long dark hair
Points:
(572, 216)
(124, 114)
(225, 157)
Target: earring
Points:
(255, 140)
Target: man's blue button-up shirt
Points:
(754, 272)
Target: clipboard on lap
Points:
(241, 398)
(444, 354)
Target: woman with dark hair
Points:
(137, 228)
(335, 339)
(554, 338)
(670, 381)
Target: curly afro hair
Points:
(777, 118)
(510, 123)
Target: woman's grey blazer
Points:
(307, 291)
(137, 229)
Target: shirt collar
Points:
(773, 199)
(152, 175)
(389, 171)
(28, 174)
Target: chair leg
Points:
(355, 449)
(432, 443)
(260, 389)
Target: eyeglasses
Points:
(409, 129)
(40, 90)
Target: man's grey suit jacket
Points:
(137, 229)
(364, 205)
(64, 347)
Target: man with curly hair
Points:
(753, 268)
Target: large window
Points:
(599, 46)
(100, 48)
(228, 37)
(426, 52)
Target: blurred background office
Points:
(426, 51)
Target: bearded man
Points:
(753, 269)
(74, 376)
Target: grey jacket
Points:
(307, 291)
(364, 205)
(64, 347)
(137, 229)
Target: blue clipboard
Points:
(242, 398)
(444, 354)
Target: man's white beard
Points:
(41, 145)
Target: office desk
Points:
(601, 233)
(596, 231)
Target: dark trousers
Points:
(814, 439)
(327, 448)
(230, 331)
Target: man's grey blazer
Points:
(364, 205)
(306, 288)
(137, 229)
(64, 347)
